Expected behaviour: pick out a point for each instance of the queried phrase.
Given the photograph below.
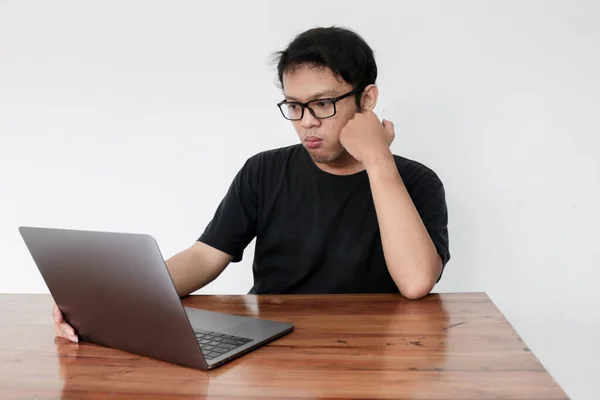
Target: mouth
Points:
(313, 142)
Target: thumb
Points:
(58, 317)
(389, 127)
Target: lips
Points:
(313, 142)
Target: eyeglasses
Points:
(319, 108)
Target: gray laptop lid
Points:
(91, 274)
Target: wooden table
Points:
(449, 346)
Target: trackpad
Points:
(260, 329)
(213, 321)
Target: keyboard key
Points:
(232, 342)
(216, 338)
(212, 355)
(220, 350)
(227, 346)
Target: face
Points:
(320, 136)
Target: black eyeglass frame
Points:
(333, 100)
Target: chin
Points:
(325, 156)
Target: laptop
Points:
(115, 290)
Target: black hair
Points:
(341, 50)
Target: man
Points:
(338, 213)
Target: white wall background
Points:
(135, 115)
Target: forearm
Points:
(410, 254)
(190, 270)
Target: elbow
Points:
(418, 285)
(415, 291)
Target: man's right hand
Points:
(61, 327)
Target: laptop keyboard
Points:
(214, 344)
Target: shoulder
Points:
(416, 174)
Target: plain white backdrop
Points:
(135, 115)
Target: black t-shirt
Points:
(316, 232)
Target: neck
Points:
(344, 165)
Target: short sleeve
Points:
(429, 197)
(233, 225)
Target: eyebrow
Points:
(326, 93)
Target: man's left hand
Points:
(367, 139)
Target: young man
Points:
(337, 213)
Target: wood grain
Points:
(449, 346)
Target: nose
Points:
(309, 120)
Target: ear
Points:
(368, 100)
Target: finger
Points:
(66, 329)
(58, 320)
(389, 126)
(68, 332)
(60, 331)
(57, 314)
(57, 331)
(61, 328)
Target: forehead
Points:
(305, 83)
